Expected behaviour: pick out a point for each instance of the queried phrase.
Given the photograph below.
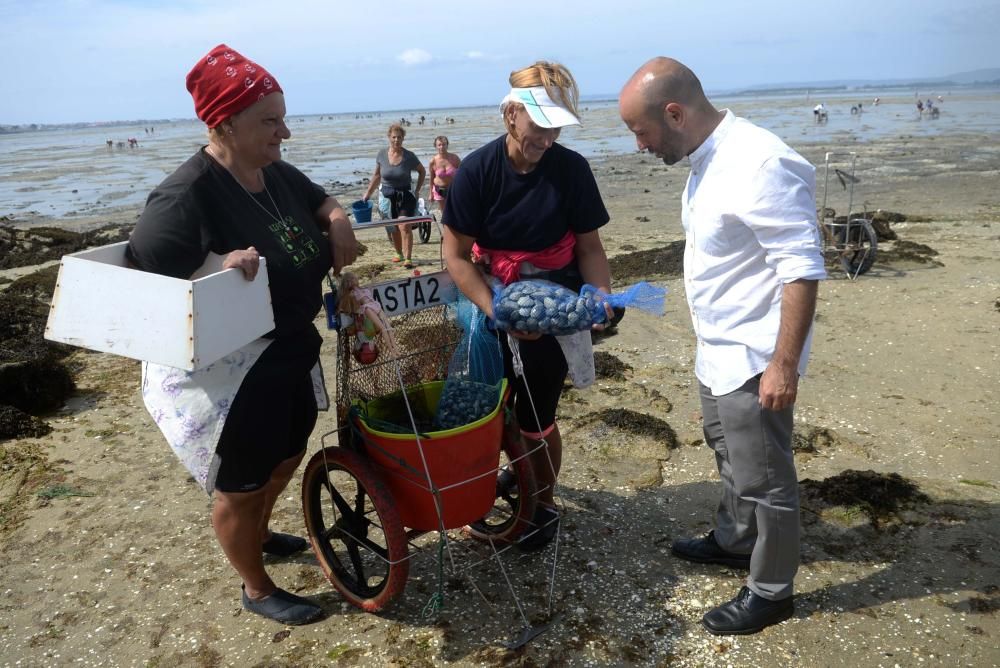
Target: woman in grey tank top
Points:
(393, 169)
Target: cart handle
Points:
(410, 220)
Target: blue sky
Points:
(98, 60)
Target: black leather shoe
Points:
(747, 613)
(707, 551)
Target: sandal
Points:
(283, 544)
(408, 263)
(284, 607)
(398, 258)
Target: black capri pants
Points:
(272, 416)
(545, 370)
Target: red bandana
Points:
(224, 83)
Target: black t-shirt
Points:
(505, 210)
(201, 208)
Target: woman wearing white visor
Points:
(529, 207)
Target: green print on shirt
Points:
(296, 243)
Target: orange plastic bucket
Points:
(462, 462)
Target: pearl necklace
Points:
(279, 218)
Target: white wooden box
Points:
(101, 304)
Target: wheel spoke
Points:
(338, 500)
(359, 567)
(359, 502)
(373, 546)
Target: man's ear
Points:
(673, 113)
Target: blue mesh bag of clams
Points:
(535, 305)
(475, 371)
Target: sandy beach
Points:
(107, 556)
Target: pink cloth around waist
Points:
(506, 264)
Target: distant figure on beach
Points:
(110, 144)
(393, 178)
(441, 171)
(875, 102)
(240, 426)
(133, 142)
(522, 206)
(854, 110)
(751, 272)
(819, 113)
(920, 107)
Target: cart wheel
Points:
(355, 530)
(860, 244)
(425, 231)
(514, 508)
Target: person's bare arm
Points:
(457, 251)
(421, 175)
(331, 218)
(373, 183)
(593, 260)
(780, 382)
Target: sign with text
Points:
(415, 293)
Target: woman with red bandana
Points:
(530, 208)
(241, 425)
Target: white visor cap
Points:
(543, 110)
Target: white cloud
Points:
(475, 55)
(414, 57)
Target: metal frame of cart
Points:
(354, 524)
(850, 237)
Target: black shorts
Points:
(402, 203)
(545, 368)
(272, 416)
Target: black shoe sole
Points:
(721, 561)
(750, 630)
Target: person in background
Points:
(442, 168)
(241, 425)
(528, 207)
(393, 178)
(820, 113)
(752, 263)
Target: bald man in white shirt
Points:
(751, 266)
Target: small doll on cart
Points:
(369, 326)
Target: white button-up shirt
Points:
(749, 211)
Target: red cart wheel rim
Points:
(355, 531)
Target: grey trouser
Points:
(759, 511)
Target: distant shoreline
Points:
(768, 91)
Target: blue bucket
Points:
(362, 211)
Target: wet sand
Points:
(108, 557)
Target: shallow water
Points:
(70, 172)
